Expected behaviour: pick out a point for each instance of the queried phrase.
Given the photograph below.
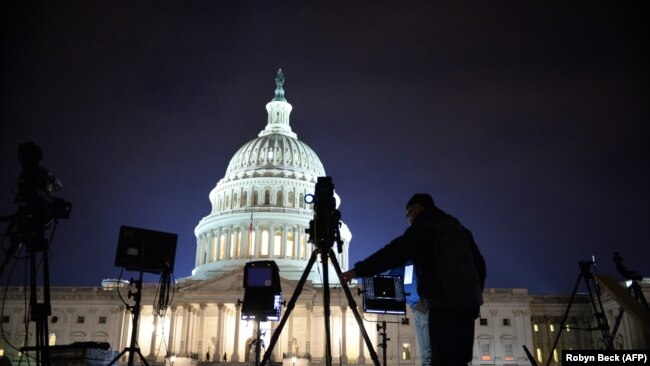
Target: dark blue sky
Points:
(526, 120)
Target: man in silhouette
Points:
(451, 276)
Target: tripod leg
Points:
(564, 319)
(290, 306)
(326, 309)
(353, 307)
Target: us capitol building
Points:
(259, 213)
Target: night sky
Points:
(526, 120)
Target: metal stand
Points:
(596, 304)
(258, 343)
(133, 348)
(24, 229)
(384, 339)
(326, 254)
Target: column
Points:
(272, 241)
(362, 349)
(309, 319)
(184, 328)
(125, 329)
(200, 332)
(235, 349)
(191, 336)
(245, 236)
(283, 242)
(218, 347)
(152, 347)
(344, 326)
(172, 330)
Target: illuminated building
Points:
(259, 213)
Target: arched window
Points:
(227, 206)
(303, 246)
(244, 199)
(292, 199)
(255, 198)
(222, 247)
(235, 202)
(214, 249)
(51, 339)
(278, 199)
(301, 200)
(264, 246)
(277, 243)
(290, 244)
(267, 196)
(251, 244)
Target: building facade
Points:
(259, 213)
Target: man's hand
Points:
(349, 275)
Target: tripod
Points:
(135, 310)
(326, 253)
(599, 311)
(26, 229)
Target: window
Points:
(267, 196)
(264, 250)
(251, 244)
(51, 339)
(506, 322)
(277, 244)
(235, 201)
(6, 318)
(303, 246)
(290, 241)
(102, 320)
(406, 351)
(238, 249)
(222, 245)
(507, 352)
(483, 321)
(485, 352)
(244, 199)
(535, 327)
(255, 198)
(539, 354)
(551, 327)
(81, 319)
(292, 199)
(279, 199)
(214, 249)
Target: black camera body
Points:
(36, 187)
(324, 228)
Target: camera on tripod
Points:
(36, 187)
(324, 228)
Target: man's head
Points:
(417, 204)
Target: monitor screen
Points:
(259, 277)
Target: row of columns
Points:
(192, 332)
(212, 248)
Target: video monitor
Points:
(146, 250)
(384, 294)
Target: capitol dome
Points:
(258, 207)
